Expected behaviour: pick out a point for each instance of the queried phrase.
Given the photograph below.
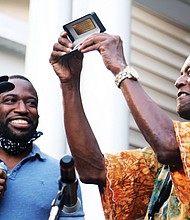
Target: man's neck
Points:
(11, 160)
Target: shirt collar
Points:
(37, 152)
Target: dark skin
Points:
(154, 124)
(19, 116)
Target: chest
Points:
(31, 188)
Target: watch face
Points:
(128, 72)
(132, 72)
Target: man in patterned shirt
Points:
(133, 183)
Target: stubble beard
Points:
(24, 136)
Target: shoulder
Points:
(51, 163)
(181, 126)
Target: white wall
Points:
(11, 62)
(13, 35)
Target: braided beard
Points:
(16, 148)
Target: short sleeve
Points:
(130, 180)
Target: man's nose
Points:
(21, 106)
(182, 81)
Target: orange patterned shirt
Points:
(134, 175)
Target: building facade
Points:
(156, 36)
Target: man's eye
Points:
(9, 101)
(188, 71)
(32, 103)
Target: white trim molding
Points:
(13, 34)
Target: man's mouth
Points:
(19, 123)
(182, 94)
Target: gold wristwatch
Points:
(128, 72)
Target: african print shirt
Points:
(135, 179)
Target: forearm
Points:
(82, 142)
(155, 125)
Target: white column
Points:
(104, 104)
(46, 19)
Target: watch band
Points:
(129, 73)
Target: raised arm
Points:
(156, 127)
(154, 124)
(83, 144)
